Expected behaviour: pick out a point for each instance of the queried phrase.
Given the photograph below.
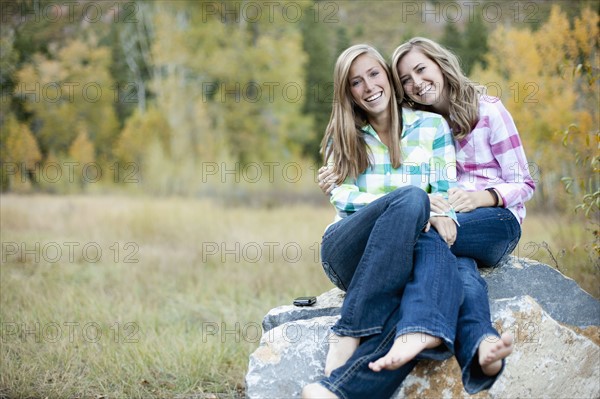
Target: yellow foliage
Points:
(141, 129)
(21, 145)
(69, 86)
(536, 75)
(585, 33)
(22, 154)
(553, 40)
(82, 149)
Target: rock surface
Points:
(554, 322)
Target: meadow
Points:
(109, 296)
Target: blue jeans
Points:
(486, 234)
(354, 380)
(369, 254)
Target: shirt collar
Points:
(369, 130)
(409, 117)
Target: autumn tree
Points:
(20, 154)
(225, 87)
(82, 153)
(70, 87)
(532, 71)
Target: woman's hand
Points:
(326, 179)
(461, 200)
(438, 204)
(445, 227)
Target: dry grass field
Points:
(112, 297)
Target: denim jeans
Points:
(370, 255)
(433, 296)
(354, 380)
(474, 325)
(487, 235)
(499, 232)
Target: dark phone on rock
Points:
(305, 301)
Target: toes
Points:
(507, 339)
(376, 365)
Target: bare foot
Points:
(340, 350)
(317, 391)
(491, 352)
(405, 348)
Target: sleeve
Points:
(442, 165)
(347, 197)
(517, 185)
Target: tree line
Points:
(150, 92)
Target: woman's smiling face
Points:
(369, 85)
(421, 79)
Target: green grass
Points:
(565, 242)
(173, 306)
(177, 322)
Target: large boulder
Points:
(554, 322)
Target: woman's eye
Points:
(420, 69)
(354, 83)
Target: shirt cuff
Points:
(451, 214)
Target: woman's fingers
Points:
(438, 204)
(326, 179)
(445, 227)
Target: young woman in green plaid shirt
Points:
(403, 289)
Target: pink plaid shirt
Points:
(492, 156)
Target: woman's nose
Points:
(417, 81)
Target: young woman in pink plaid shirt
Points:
(494, 183)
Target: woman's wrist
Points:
(482, 199)
(494, 196)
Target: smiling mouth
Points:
(374, 97)
(425, 89)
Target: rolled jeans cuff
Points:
(473, 378)
(447, 338)
(341, 331)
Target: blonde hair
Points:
(463, 95)
(344, 139)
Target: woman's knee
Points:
(411, 196)
(337, 279)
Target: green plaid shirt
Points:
(428, 161)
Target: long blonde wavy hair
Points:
(462, 94)
(344, 139)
